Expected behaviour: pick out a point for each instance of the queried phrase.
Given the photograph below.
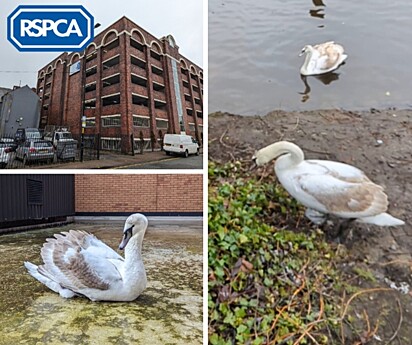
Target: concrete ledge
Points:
(33, 227)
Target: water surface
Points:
(169, 311)
(254, 46)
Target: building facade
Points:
(20, 108)
(129, 85)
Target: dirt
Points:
(377, 141)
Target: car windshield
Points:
(42, 144)
(33, 135)
(65, 136)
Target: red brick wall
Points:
(138, 193)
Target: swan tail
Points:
(383, 219)
(43, 277)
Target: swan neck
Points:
(308, 57)
(290, 153)
(133, 250)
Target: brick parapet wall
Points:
(103, 193)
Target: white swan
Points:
(327, 187)
(322, 58)
(76, 263)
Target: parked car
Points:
(35, 150)
(23, 134)
(6, 149)
(180, 144)
(63, 142)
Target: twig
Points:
(349, 302)
(399, 323)
(221, 139)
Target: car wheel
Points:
(167, 153)
(24, 160)
(186, 153)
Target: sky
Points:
(181, 18)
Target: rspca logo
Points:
(50, 28)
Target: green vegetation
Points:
(268, 283)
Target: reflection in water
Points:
(318, 12)
(326, 79)
(318, 3)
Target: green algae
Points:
(168, 312)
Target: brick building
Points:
(126, 82)
(173, 194)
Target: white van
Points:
(180, 144)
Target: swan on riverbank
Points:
(76, 263)
(322, 58)
(327, 187)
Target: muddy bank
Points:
(168, 312)
(378, 142)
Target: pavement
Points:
(109, 160)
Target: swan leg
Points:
(342, 229)
(315, 217)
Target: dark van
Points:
(23, 134)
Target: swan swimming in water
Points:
(76, 263)
(322, 58)
(327, 187)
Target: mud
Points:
(377, 141)
(168, 312)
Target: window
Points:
(136, 44)
(34, 192)
(111, 121)
(159, 104)
(90, 103)
(158, 87)
(90, 87)
(138, 62)
(162, 124)
(111, 62)
(91, 71)
(155, 55)
(139, 80)
(110, 144)
(140, 100)
(111, 45)
(111, 100)
(114, 79)
(91, 56)
(189, 112)
(90, 122)
(197, 100)
(141, 121)
(157, 70)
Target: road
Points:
(191, 162)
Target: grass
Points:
(273, 279)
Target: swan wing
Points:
(341, 171)
(78, 260)
(343, 198)
(330, 55)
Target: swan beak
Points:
(127, 236)
(301, 53)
